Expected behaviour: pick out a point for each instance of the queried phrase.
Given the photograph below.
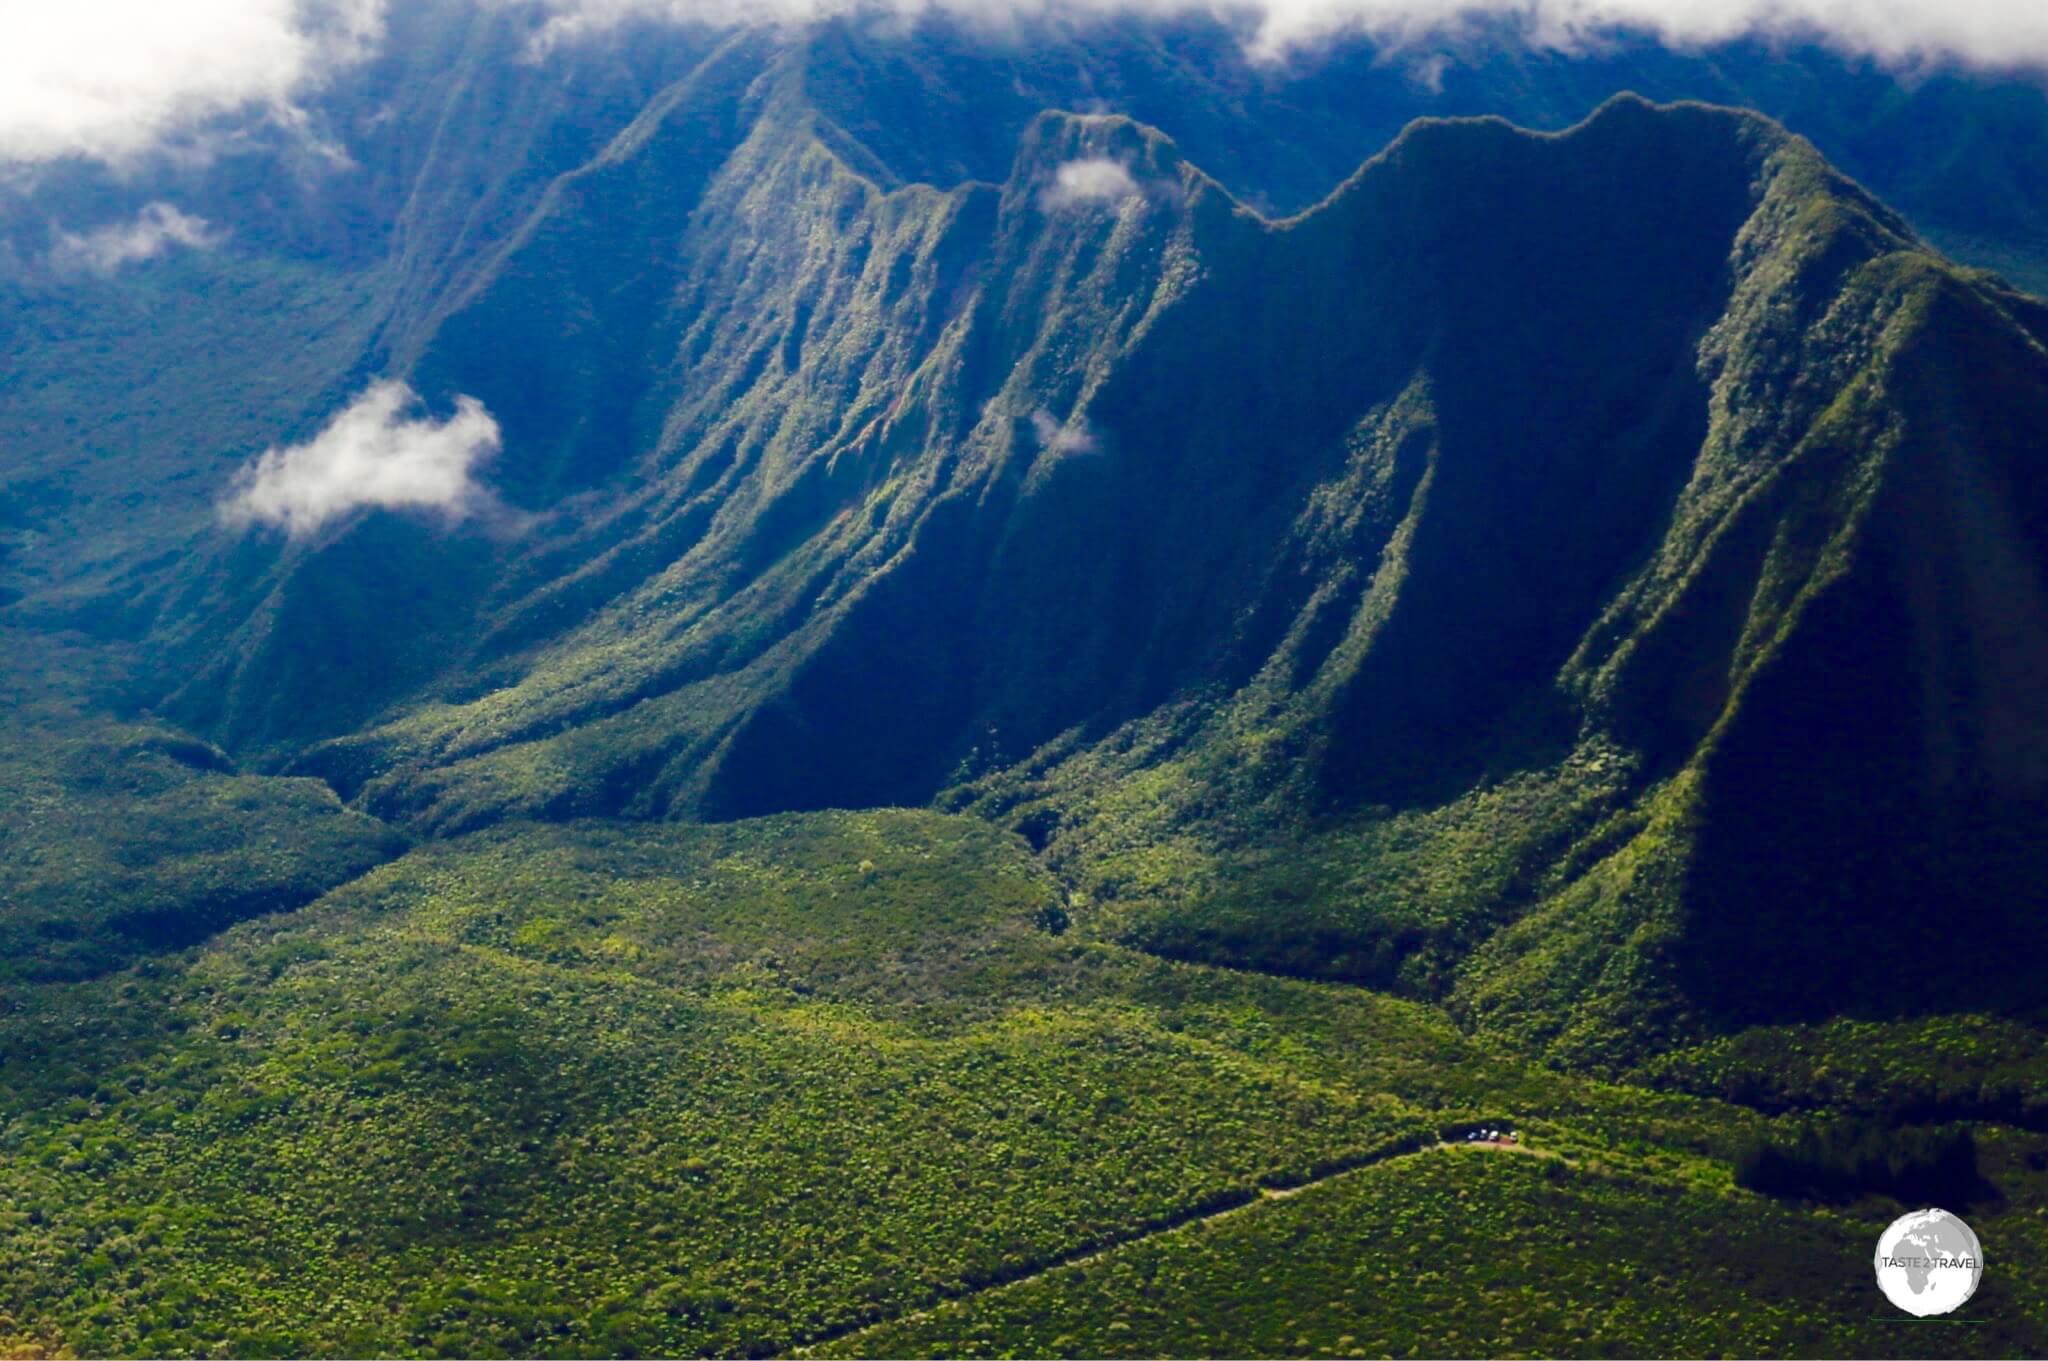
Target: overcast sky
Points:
(115, 78)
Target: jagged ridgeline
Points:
(1595, 578)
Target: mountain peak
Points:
(1523, 459)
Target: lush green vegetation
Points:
(1473, 1253)
(120, 840)
(1935, 1166)
(1581, 837)
(890, 491)
(1613, 642)
(1960, 1066)
(605, 1089)
(592, 1090)
(599, 1089)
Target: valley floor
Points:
(855, 1341)
(843, 1082)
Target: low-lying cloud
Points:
(376, 453)
(1075, 437)
(1088, 182)
(1996, 33)
(156, 230)
(114, 79)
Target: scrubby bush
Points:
(1844, 1161)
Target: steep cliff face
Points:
(1586, 576)
(1697, 518)
(1842, 642)
(1119, 400)
(1578, 596)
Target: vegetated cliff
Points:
(1592, 577)
(1631, 594)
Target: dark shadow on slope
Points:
(1873, 837)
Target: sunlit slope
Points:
(846, 424)
(124, 841)
(1627, 569)
(1478, 1254)
(593, 1089)
(1502, 582)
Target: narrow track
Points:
(1084, 1256)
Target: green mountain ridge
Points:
(902, 491)
(1011, 703)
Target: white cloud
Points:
(156, 229)
(116, 79)
(1054, 438)
(1091, 180)
(2000, 33)
(1428, 71)
(113, 79)
(372, 454)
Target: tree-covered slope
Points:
(609, 1089)
(1029, 677)
(1028, 389)
(1339, 525)
(1500, 581)
(123, 840)
(597, 1089)
(344, 236)
(1464, 1252)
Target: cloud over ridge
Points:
(1090, 180)
(1054, 437)
(154, 231)
(117, 79)
(1996, 33)
(372, 454)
